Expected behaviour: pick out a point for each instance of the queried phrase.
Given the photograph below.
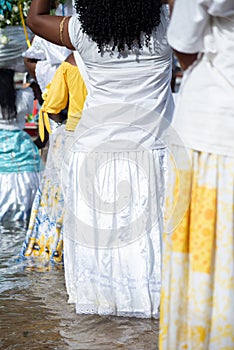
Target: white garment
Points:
(115, 197)
(17, 193)
(142, 76)
(24, 105)
(113, 220)
(49, 55)
(44, 73)
(204, 115)
(18, 187)
(65, 10)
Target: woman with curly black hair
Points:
(119, 22)
(115, 188)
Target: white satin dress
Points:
(115, 187)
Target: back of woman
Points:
(123, 45)
(140, 75)
(115, 193)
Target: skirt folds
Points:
(44, 239)
(197, 298)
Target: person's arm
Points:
(30, 65)
(187, 26)
(185, 59)
(171, 4)
(41, 144)
(47, 26)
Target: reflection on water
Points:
(34, 313)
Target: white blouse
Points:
(204, 115)
(136, 77)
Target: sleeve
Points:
(190, 20)
(56, 97)
(75, 32)
(44, 73)
(35, 51)
(55, 54)
(222, 8)
(188, 24)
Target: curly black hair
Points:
(7, 94)
(120, 22)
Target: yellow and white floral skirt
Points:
(44, 238)
(197, 298)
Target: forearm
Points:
(30, 64)
(184, 59)
(171, 4)
(45, 25)
(41, 144)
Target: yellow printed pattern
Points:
(197, 300)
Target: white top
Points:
(137, 77)
(24, 105)
(204, 115)
(206, 26)
(49, 57)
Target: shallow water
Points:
(34, 313)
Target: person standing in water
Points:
(197, 305)
(20, 162)
(128, 61)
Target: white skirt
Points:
(17, 194)
(113, 221)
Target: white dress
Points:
(115, 194)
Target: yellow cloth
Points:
(197, 305)
(66, 86)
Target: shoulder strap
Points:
(81, 66)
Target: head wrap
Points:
(12, 45)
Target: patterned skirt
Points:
(44, 238)
(197, 299)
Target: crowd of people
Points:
(136, 197)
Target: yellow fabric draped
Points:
(67, 89)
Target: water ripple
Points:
(34, 313)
